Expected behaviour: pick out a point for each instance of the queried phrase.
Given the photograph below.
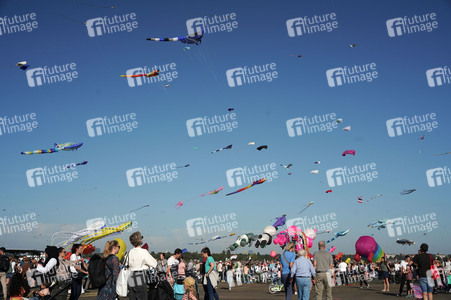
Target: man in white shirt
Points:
(403, 267)
(173, 263)
(343, 266)
(220, 270)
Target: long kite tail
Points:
(174, 39)
(52, 150)
(138, 75)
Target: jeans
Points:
(210, 292)
(287, 286)
(75, 288)
(425, 287)
(303, 285)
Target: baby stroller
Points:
(179, 290)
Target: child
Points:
(409, 280)
(182, 267)
(45, 291)
(190, 289)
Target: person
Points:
(385, 270)
(238, 273)
(139, 260)
(45, 291)
(79, 270)
(409, 274)
(221, 275)
(190, 289)
(181, 268)
(362, 274)
(63, 276)
(112, 269)
(403, 269)
(229, 273)
(287, 261)
(162, 267)
(190, 269)
(304, 272)
(343, 266)
(246, 274)
(173, 263)
(209, 282)
(17, 287)
(323, 263)
(4, 266)
(423, 263)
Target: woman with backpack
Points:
(112, 269)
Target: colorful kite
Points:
(374, 197)
(360, 199)
(151, 74)
(260, 181)
(220, 149)
(368, 249)
(147, 205)
(58, 147)
(214, 191)
(379, 224)
(78, 164)
(260, 148)
(341, 233)
(307, 206)
(351, 152)
(195, 38)
(406, 192)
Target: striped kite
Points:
(260, 181)
(151, 74)
(194, 38)
(63, 147)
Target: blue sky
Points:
(262, 109)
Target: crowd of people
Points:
(296, 272)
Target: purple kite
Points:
(280, 221)
(352, 152)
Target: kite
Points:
(297, 55)
(23, 65)
(404, 242)
(360, 199)
(417, 291)
(195, 38)
(352, 45)
(167, 85)
(421, 138)
(220, 149)
(214, 238)
(317, 162)
(260, 181)
(179, 204)
(147, 205)
(347, 128)
(307, 206)
(215, 191)
(151, 74)
(186, 48)
(63, 147)
(325, 231)
(442, 153)
(367, 249)
(352, 152)
(250, 143)
(341, 233)
(339, 120)
(328, 191)
(314, 172)
(185, 166)
(195, 148)
(97, 230)
(406, 192)
(78, 164)
(379, 224)
(260, 148)
(331, 249)
(231, 109)
(280, 221)
(287, 166)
